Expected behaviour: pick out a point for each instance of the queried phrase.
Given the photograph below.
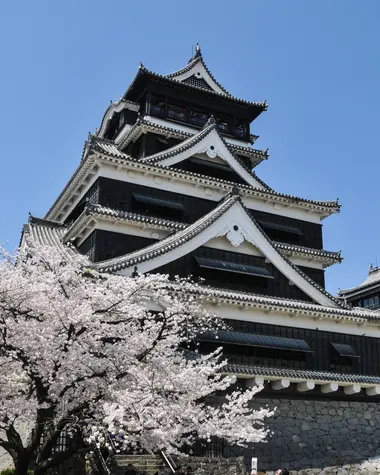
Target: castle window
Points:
(177, 113)
(121, 119)
(281, 232)
(369, 302)
(241, 130)
(342, 357)
(222, 124)
(198, 117)
(157, 105)
(226, 266)
(156, 206)
(254, 349)
(262, 341)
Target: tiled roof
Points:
(50, 233)
(121, 103)
(255, 155)
(102, 145)
(170, 81)
(373, 279)
(193, 140)
(195, 60)
(120, 216)
(170, 242)
(302, 250)
(45, 232)
(296, 268)
(288, 305)
(300, 374)
(197, 82)
(99, 210)
(108, 149)
(333, 205)
(175, 240)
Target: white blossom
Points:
(83, 351)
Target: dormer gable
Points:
(197, 74)
(231, 220)
(206, 149)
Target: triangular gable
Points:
(197, 74)
(210, 143)
(231, 219)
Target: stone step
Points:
(147, 464)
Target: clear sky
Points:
(316, 62)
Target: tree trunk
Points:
(22, 465)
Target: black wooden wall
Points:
(119, 195)
(323, 357)
(102, 245)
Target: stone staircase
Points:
(143, 464)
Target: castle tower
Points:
(168, 184)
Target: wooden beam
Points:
(251, 382)
(305, 386)
(329, 388)
(353, 389)
(373, 391)
(280, 384)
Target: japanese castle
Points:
(366, 294)
(168, 184)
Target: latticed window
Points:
(198, 117)
(177, 112)
(241, 130)
(157, 105)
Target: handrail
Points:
(168, 461)
(100, 459)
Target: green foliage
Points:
(11, 471)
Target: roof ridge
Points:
(296, 268)
(197, 58)
(96, 208)
(301, 373)
(34, 221)
(175, 240)
(191, 141)
(311, 250)
(243, 296)
(142, 69)
(141, 121)
(172, 241)
(182, 146)
(325, 203)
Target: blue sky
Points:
(317, 63)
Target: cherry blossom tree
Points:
(87, 354)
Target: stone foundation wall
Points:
(313, 437)
(214, 465)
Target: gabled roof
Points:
(210, 142)
(145, 124)
(113, 108)
(117, 216)
(133, 92)
(372, 280)
(196, 72)
(51, 233)
(101, 145)
(231, 219)
(106, 150)
(44, 232)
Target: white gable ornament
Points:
(235, 236)
(211, 151)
